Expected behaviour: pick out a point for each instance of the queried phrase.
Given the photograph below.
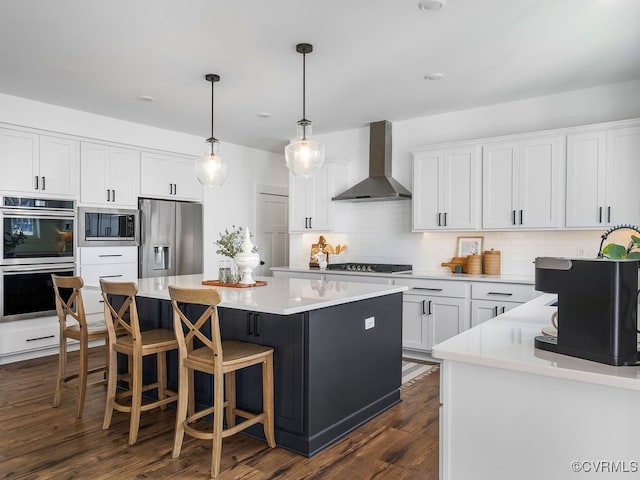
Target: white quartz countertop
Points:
(507, 341)
(281, 296)
(440, 275)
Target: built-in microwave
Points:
(108, 226)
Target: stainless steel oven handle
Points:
(53, 214)
(18, 269)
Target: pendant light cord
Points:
(304, 86)
(212, 84)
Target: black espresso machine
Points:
(597, 308)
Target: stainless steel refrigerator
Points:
(170, 238)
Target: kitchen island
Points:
(337, 351)
(510, 410)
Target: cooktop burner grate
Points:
(370, 267)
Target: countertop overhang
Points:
(281, 296)
(507, 341)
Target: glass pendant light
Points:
(212, 169)
(304, 156)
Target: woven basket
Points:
(492, 262)
(474, 264)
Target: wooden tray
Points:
(216, 283)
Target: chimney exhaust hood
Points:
(379, 185)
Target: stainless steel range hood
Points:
(379, 185)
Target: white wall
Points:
(381, 231)
(233, 203)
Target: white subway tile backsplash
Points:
(381, 232)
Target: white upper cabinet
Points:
(109, 175)
(446, 188)
(602, 172)
(169, 176)
(42, 164)
(310, 204)
(521, 183)
(623, 173)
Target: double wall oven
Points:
(39, 239)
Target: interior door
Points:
(272, 231)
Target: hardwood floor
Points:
(38, 441)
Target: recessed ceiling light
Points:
(431, 4)
(264, 114)
(146, 98)
(434, 76)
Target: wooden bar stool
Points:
(125, 337)
(220, 359)
(68, 295)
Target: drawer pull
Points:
(111, 255)
(110, 276)
(39, 338)
(504, 294)
(428, 289)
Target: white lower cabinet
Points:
(18, 339)
(118, 264)
(489, 300)
(429, 320)
(432, 312)
(483, 310)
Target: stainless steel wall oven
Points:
(38, 240)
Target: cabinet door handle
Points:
(43, 183)
(600, 215)
(110, 255)
(108, 195)
(504, 309)
(110, 276)
(256, 325)
(520, 217)
(608, 212)
(439, 220)
(429, 308)
(175, 188)
(113, 195)
(445, 219)
(306, 222)
(39, 338)
(171, 189)
(424, 307)
(505, 294)
(310, 224)
(495, 311)
(428, 289)
(36, 182)
(249, 324)
(513, 217)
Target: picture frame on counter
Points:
(469, 246)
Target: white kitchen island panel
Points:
(512, 411)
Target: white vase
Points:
(247, 259)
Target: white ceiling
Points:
(368, 63)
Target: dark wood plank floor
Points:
(38, 441)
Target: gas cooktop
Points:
(370, 267)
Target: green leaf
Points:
(634, 256)
(635, 240)
(613, 250)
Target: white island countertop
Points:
(281, 296)
(507, 342)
